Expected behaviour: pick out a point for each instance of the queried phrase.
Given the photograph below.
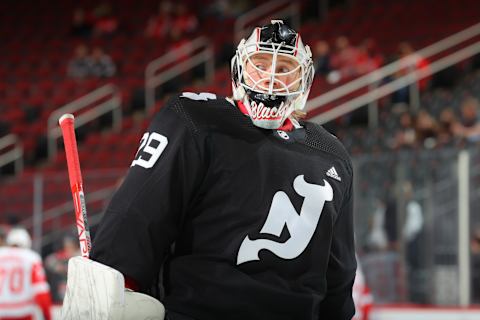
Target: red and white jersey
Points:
(22, 280)
(361, 296)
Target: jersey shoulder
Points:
(209, 112)
(319, 138)
(20, 253)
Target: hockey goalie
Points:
(233, 207)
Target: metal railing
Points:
(196, 52)
(399, 83)
(263, 14)
(15, 154)
(373, 78)
(113, 103)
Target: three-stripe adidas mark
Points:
(332, 173)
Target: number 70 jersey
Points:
(22, 277)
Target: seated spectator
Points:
(446, 123)
(81, 24)
(368, 59)
(468, 127)
(100, 64)
(343, 60)
(159, 26)
(405, 135)
(105, 23)
(412, 62)
(426, 129)
(322, 57)
(185, 21)
(78, 66)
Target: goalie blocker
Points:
(96, 291)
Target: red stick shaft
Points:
(76, 182)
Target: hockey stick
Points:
(76, 183)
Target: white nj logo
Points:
(301, 226)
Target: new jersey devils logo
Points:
(300, 226)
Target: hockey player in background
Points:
(24, 291)
(235, 208)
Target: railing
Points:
(14, 154)
(373, 78)
(198, 51)
(66, 208)
(264, 13)
(86, 102)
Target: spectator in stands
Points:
(412, 235)
(426, 130)
(78, 66)
(377, 237)
(405, 135)
(25, 290)
(322, 58)
(100, 64)
(56, 265)
(81, 24)
(368, 59)
(412, 61)
(369, 45)
(469, 126)
(446, 124)
(159, 26)
(184, 21)
(391, 225)
(105, 22)
(343, 60)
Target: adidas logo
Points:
(332, 173)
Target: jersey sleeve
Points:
(145, 215)
(338, 303)
(40, 287)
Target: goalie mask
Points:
(272, 72)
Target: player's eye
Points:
(283, 69)
(261, 66)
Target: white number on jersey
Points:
(151, 147)
(300, 226)
(204, 96)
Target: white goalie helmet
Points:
(272, 72)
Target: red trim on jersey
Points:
(44, 301)
(11, 305)
(287, 126)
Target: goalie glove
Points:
(97, 291)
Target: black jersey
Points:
(254, 223)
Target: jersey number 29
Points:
(151, 147)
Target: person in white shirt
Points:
(24, 291)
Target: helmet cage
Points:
(271, 91)
(245, 53)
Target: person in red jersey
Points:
(24, 291)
